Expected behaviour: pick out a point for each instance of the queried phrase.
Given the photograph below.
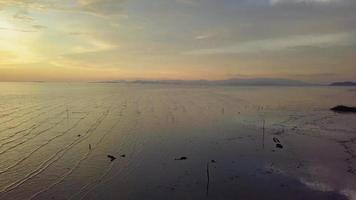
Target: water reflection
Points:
(55, 141)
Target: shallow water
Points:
(55, 138)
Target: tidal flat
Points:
(155, 141)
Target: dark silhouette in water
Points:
(112, 158)
(344, 109)
(181, 158)
(276, 140)
(278, 143)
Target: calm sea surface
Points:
(175, 142)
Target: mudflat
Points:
(143, 141)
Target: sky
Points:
(98, 40)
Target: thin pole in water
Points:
(208, 179)
(263, 134)
(67, 114)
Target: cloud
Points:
(38, 27)
(97, 7)
(23, 16)
(278, 44)
(274, 2)
(17, 30)
(203, 37)
(79, 33)
(102, 7)
(188, 2)
(24, 4)
(163, 34)
(313, 2)
(7, 57)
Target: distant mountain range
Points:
(347, 83)
(235, 82)
(227, 82)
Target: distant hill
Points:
(262, 82)
(226, 82)
(347, 83)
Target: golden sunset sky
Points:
(94, 40)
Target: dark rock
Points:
(279, 146)
(344, 109)
(181, 158)
(123, 155)
(213, 161)
(112, 158)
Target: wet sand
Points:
(175, 142)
